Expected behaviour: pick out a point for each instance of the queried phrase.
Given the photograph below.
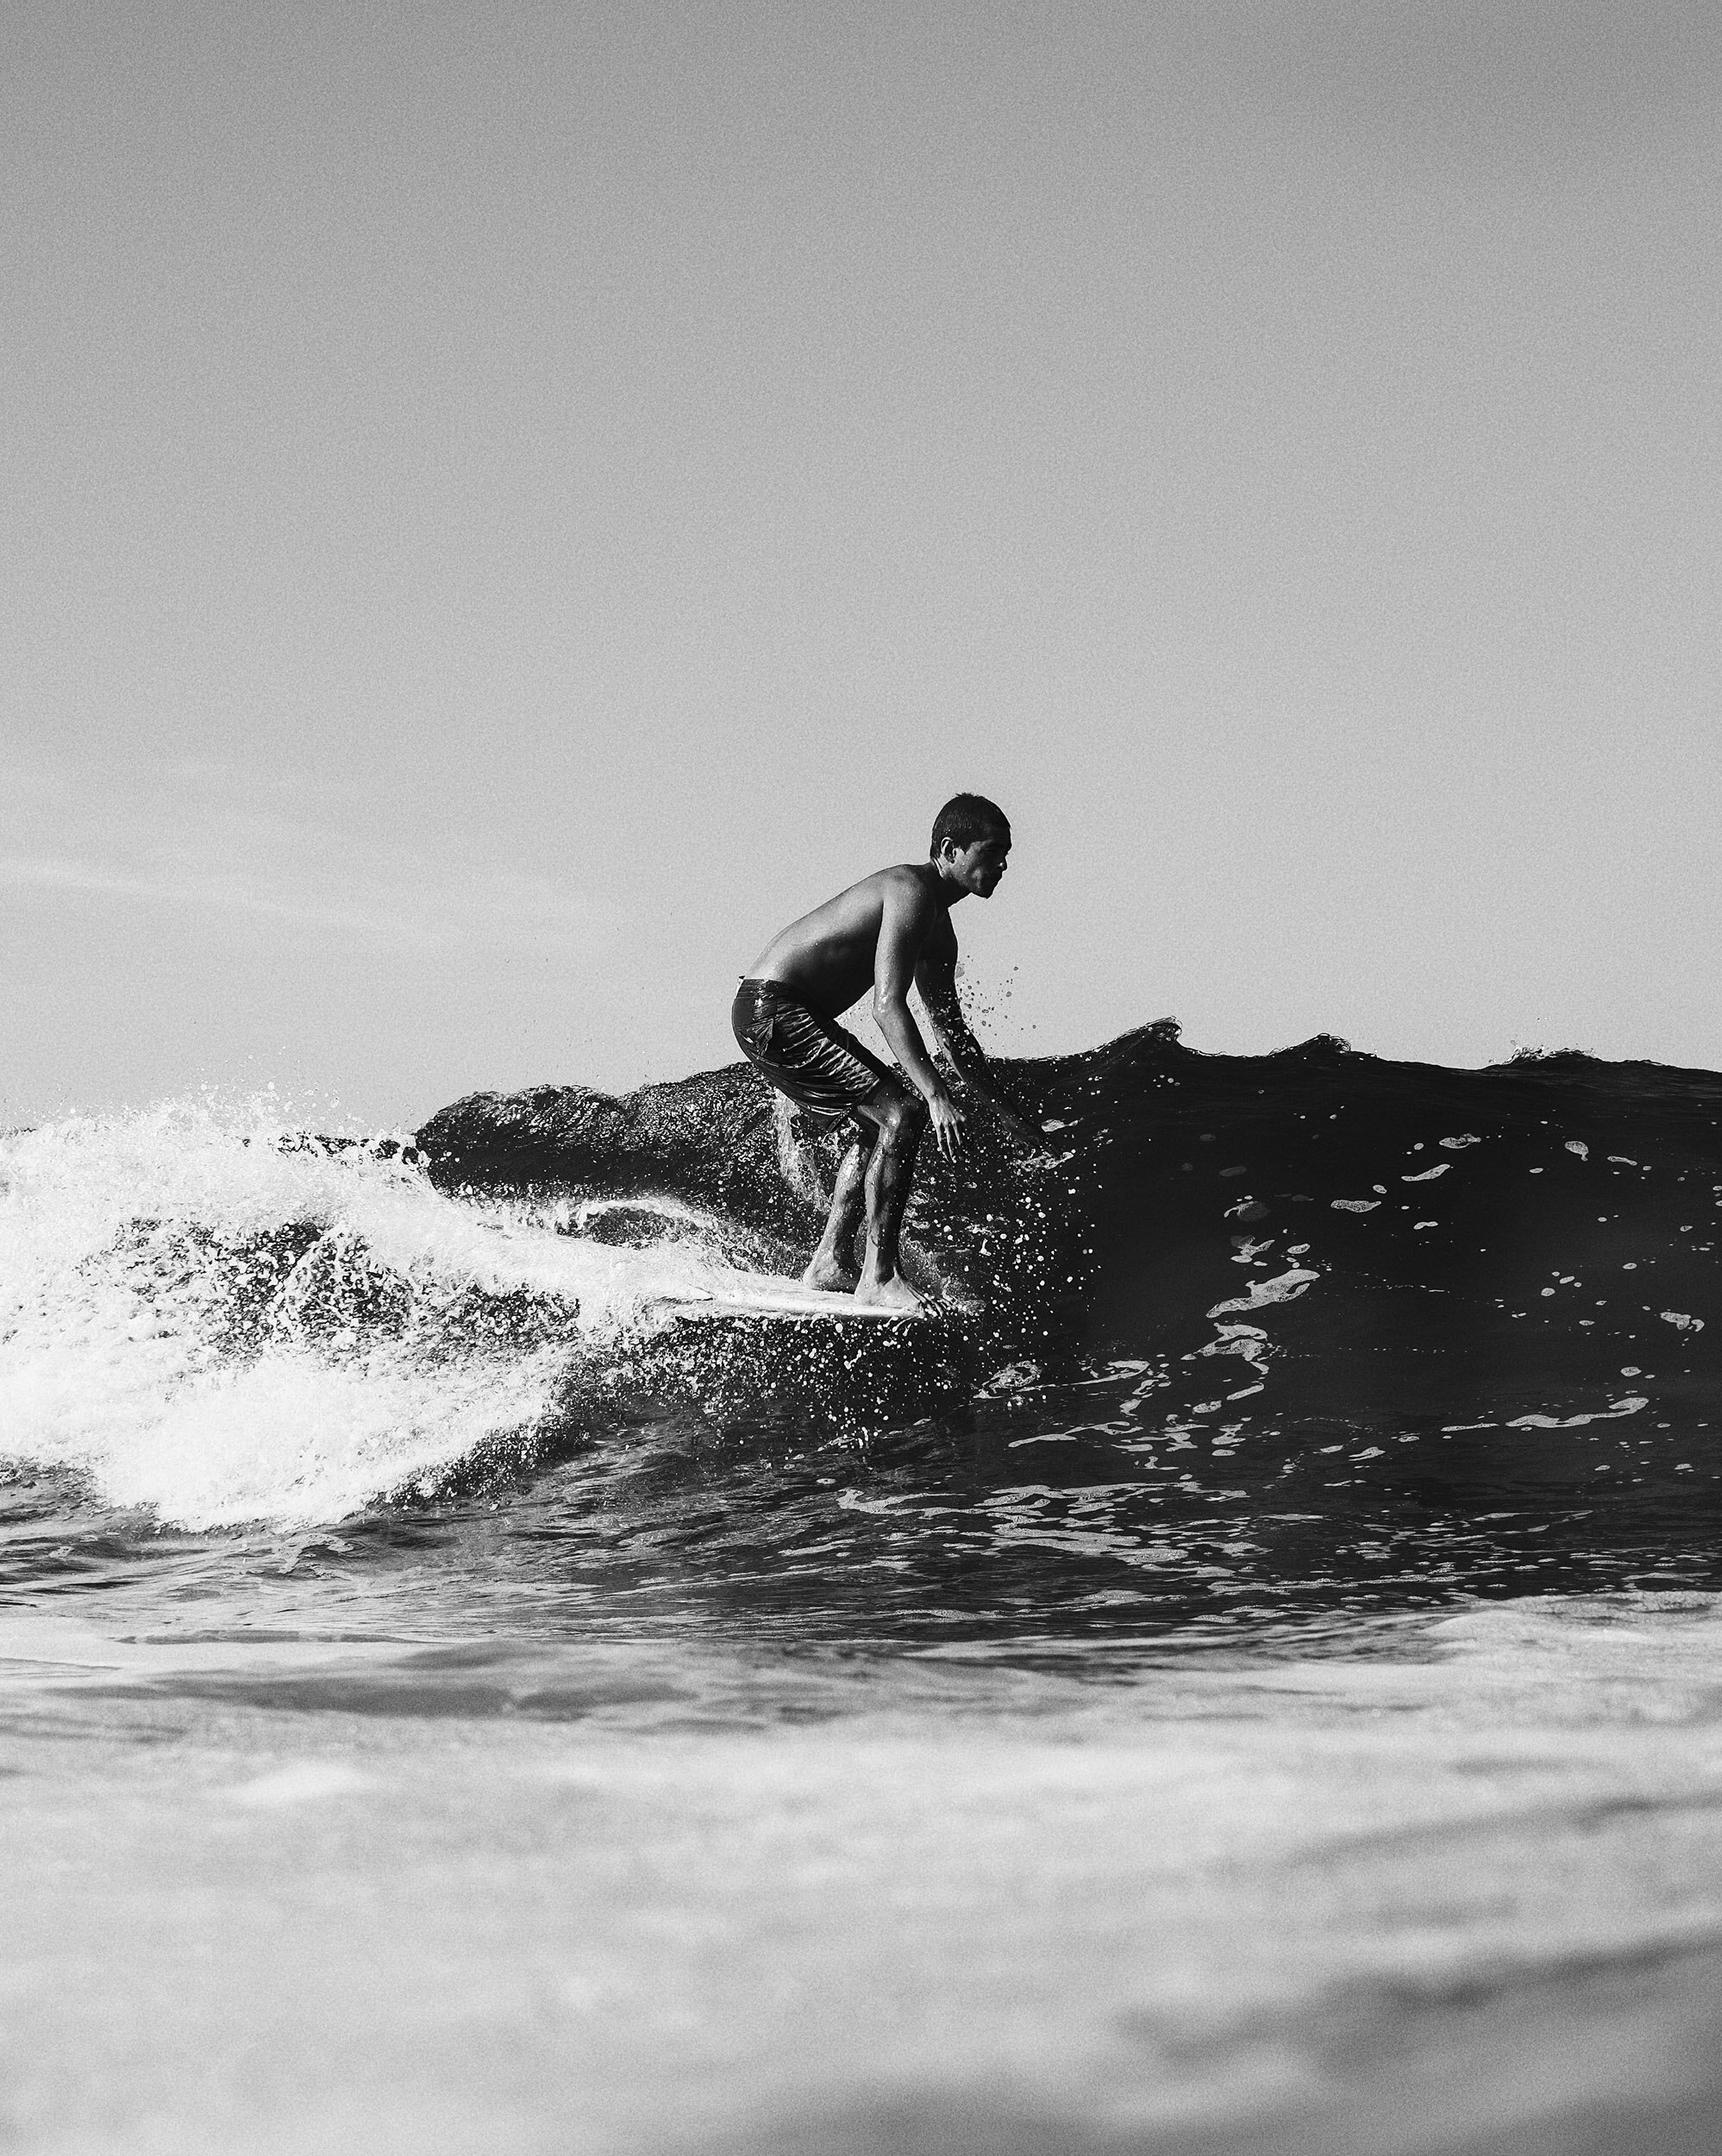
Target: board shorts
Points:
(803, 1054)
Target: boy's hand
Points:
(946, 1118)
(1018, 1127)
(1024, 1132)
(1036, 1152)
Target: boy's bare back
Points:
(831, 956)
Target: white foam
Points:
(1282, 1287)
(302, 1782)
(1633, 1404)
(128, 1248)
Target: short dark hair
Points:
(966, 819)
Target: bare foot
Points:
(895, 1294)
(827, 1274)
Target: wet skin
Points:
(875, 934)
(890, 930)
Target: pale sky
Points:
(507, 504)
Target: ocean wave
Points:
(207, 1313)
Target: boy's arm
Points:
(903, 924)
(936, 978)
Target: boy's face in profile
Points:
(977, 867)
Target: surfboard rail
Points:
(762, 1296)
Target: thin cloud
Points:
(415, 905)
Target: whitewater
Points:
(1246, 1677)
(210, 1313)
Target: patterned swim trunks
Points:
(804, 1054)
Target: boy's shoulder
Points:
(906, 877)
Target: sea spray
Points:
(206, 1313)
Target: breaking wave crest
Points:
(204, 1312)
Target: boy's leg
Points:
(832, 1265)
(899, 1120)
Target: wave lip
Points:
(205, 1315)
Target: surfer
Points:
(890, 930)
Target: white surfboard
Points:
(766, 1295)
(594, 1278)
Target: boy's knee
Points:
(904, 1122)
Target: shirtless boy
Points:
(890, 930)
